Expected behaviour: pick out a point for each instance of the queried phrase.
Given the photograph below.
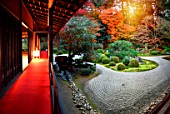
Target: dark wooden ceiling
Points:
(62, 11)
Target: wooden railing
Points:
(163, 107)
(55, 96)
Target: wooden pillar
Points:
(20, 38)
(38, 43)
(50, 37)
(30, 45)
(0, 48)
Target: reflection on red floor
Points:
(24, 60)
(30, 94)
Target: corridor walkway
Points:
(30, 94)
(125, 93)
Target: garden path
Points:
(126, 92)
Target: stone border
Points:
(80, 100)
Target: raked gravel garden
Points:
(117, 92)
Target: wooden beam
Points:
(41, 31)
(62, 10)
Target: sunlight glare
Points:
(131, 9)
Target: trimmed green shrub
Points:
(115, 59)
(154, 52)
(93, 68)
(105, 60)
(164, 52)
(126, 61)
(85, 71)
(122, 48)
(112, 63)
(134, 63)
(107, 66)
(107, 54)
(101, 57)
(121, 66)
(100, 51)
(54, 50)
(60, 52)
(167, 48)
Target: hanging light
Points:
(36, 53)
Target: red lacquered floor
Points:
(30, 94)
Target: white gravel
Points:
(117, 92)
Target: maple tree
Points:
(153, 31)
(145, 33)
(117, 28)
(119, 19)
(89, 10)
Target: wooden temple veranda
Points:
(30, 18)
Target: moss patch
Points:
(147, 65)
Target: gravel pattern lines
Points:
(116, 92)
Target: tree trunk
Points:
(69, 55)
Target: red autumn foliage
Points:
(81, 12)
(115, 24)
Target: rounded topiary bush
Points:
(107, 66)
(121, 66)
(100, 51)
(112, 63)
(115, 59)
(101, 57)
(107, 54)
(105, 60)
(85, 71)
(54, 50)
(154, 52)
(126, 61)
(60, 52)
(93, 68)
(134, 63)
(164, 52)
